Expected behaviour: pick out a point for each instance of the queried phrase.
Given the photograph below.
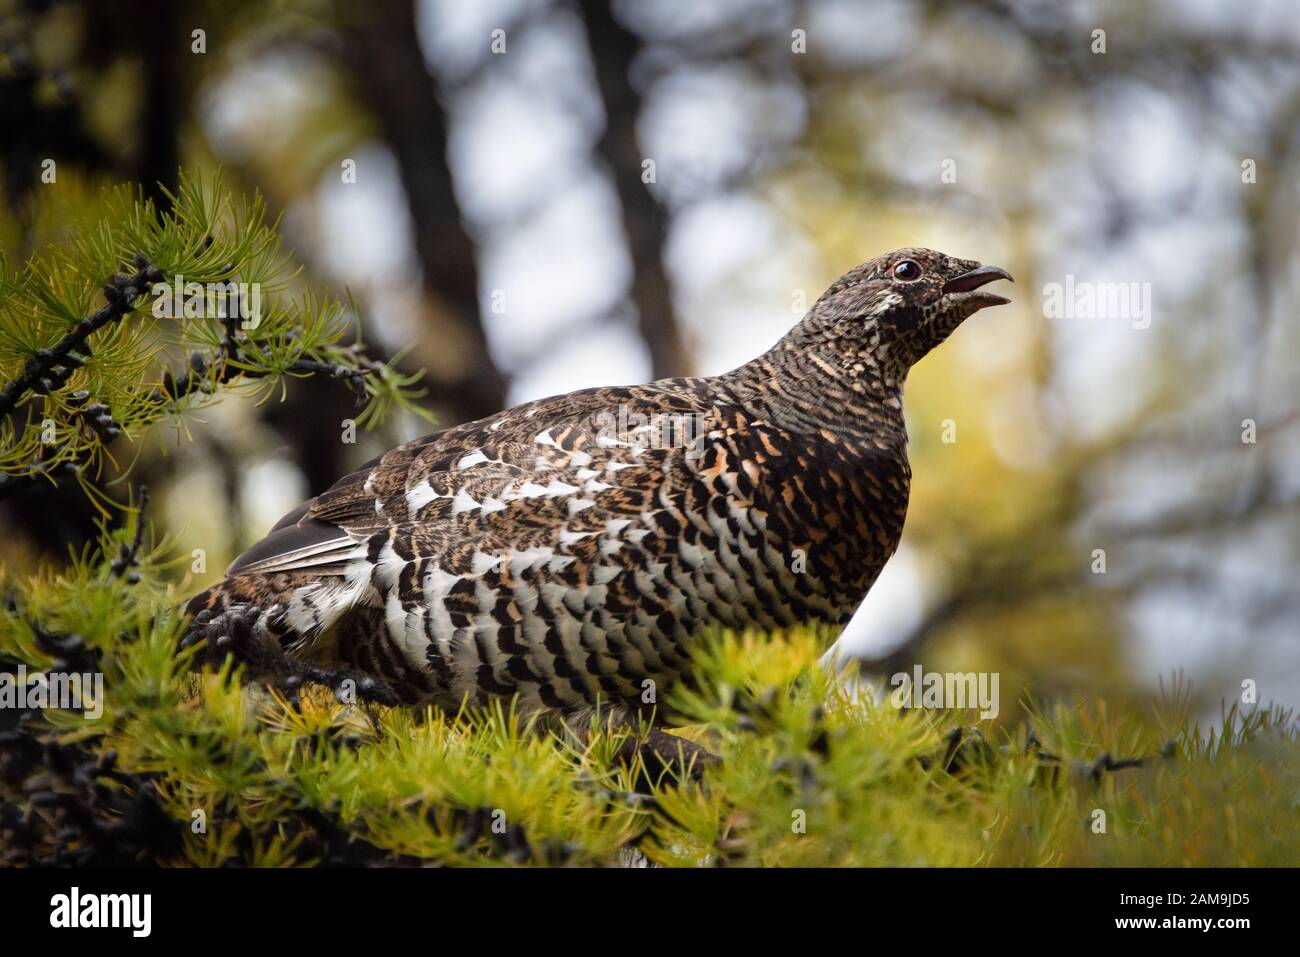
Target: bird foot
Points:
(662, 754)
(349, 686)
(236, 633)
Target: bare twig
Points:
(128, 554)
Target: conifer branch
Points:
(205, 239)
(49, 369)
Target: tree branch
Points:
(49, 369)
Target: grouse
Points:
(570, 550)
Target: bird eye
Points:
(907, 270)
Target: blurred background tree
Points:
(531, 196)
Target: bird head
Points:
(892, 310)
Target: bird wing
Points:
(542, 480)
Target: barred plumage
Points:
(569, 550)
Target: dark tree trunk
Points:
(384, 55)
(613, 48)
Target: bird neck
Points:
(811, 382)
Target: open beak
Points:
(981, 276)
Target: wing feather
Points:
(511, 478)
(307, 544)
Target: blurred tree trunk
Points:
(38, 126)
(167, 96)
(44, 515)
(153, 35)
(383, 53)
(613, 48)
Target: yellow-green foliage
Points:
(811, 774)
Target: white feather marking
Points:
(410, 634)
(464, 502)
(484, 563)
(554, 593)
(527, 490)
(421, 495)
(390, 565)
(394, 615)
(526, 558)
